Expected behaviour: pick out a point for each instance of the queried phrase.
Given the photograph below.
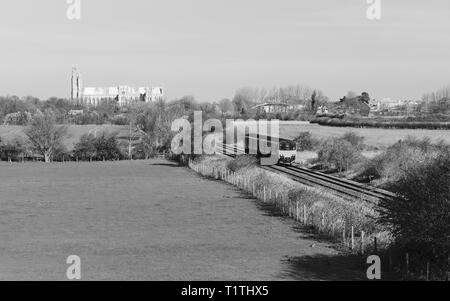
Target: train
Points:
(287, 149)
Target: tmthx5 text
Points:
(227, 290)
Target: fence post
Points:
(333, 229)
(343, 235)
(297, 214)
(264, 195)
(407, 265)
(304, 215)
(323, 221)
(353, 238)
(362, 242)
(428, 271)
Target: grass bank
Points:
(352, 224)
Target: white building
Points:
(123, 95)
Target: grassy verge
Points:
(351, 223)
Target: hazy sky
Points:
(210, 48)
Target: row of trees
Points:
(370, 123)
(245, 98)
(148, 133)
(18, 111)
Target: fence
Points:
(354, 240)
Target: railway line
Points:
(347, 189)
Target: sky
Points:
(210, 48)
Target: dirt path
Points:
(148, 220)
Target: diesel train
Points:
(287, 149)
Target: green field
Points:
(149, 220)
(73, 135)
(373, 137)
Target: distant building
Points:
(322, 110)
(122, 95)
(359, 105)
(273, 108)
(75, 112)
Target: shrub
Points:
(144, 149)
(397, 159)
(338, 153)
(354, 139)
(305, 142)
(85, 149)
(106, 148)
(12, 150)
(103, 147)
(420, 217)
(62, 154)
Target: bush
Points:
(12, 150)
(420, 216)
(144, 149)
(103, 147)
(106, 148)
(354, 139)
(305, 142)
(85, 149)
(397, 159)
(62, 154)
(338, 153)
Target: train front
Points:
(287, 151)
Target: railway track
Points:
(342, 187)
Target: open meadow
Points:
(149, 220)
(373, 137)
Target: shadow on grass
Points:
(339, 267)
(166, 164)
(343, 266)
(325, 267)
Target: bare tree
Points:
(225, 106)
(45, 136)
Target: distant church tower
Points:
(76, 86)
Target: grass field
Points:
(73, 135)
(149, 220)
(373, 137)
